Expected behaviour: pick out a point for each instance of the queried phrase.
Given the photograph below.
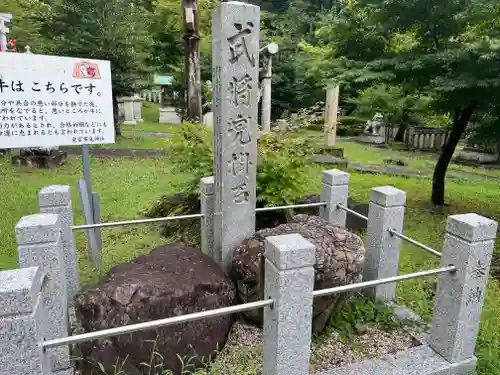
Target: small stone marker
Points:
(235, 46)
(22, 323)
(289, 281)
(468, 245)
(39, 239)
(386, 211)
(56, 199)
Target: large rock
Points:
(173, 280)
(353, 222)
(339, 261)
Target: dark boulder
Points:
(173, 280)
(339, 261)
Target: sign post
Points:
(50, 101)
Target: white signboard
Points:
(54, 101)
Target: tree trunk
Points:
(401, 132)
(192, 61)
(461, 118)
(116, 117)
(403, 126)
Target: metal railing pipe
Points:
(277, 208)
(154, 324)
(135, 222)
(181, 217)
(388, 280)
(416, 243)
(342, 207)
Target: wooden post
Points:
(192, 60)
(331, 110)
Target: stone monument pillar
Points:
(235, 53)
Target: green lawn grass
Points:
(127, 186)
(136, 141)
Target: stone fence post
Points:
(207, 198)
(56, 199)
(22, 323)
(386, 211)
(468, 245)
(335, 190)
(39, 240)
(289, 281)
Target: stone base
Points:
(420, 360)
(130, 122)
(476, 157)
(328, 159)
(331, 151)
(373, 139)
(34, 158)
(169, 116)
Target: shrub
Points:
(280, 174)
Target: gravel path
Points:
(243, 352)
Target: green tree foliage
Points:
(25, 26)
(446, 49)
(166, 32)
(114, 30)
(392, 101)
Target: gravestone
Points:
(168, 115)
(235, 77)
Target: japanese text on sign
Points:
(53, 101)
(239, 89)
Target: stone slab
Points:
(39, 228)
(477, 157)
(19, 290)
(373, 139)
(169, 116)
(54, 195)
(420, 360)
(388, 196)
(472, 227)
(20, 335)
(328, 159)
(290, 251)
(335, 177)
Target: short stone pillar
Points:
(468, 245)
(335, 191)
(138, 108)
(127, 105)
(289, 281)
(56, 199)
(168, 115)
(207, 199)
(39, 240)
(386, 211)
(22, 323)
